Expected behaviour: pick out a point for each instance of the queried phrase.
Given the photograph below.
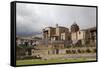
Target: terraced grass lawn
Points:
(40, 61)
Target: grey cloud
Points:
(32, 18)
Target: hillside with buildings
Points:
(58, 42)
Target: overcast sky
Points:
(32, 18)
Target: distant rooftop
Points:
(92, 28)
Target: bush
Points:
(94, 50)
(88, 50)
(79, 51)
(73, 51)
(68, 51)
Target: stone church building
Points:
(84, 36)
(56, 33)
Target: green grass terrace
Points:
(41, 61)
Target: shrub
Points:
(68, 51)
(79, 51)
(94, 50)
(88, 50)
(73, 51)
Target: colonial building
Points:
(84, 36)
(90, 35)
(56, 33)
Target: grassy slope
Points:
(37, 61)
